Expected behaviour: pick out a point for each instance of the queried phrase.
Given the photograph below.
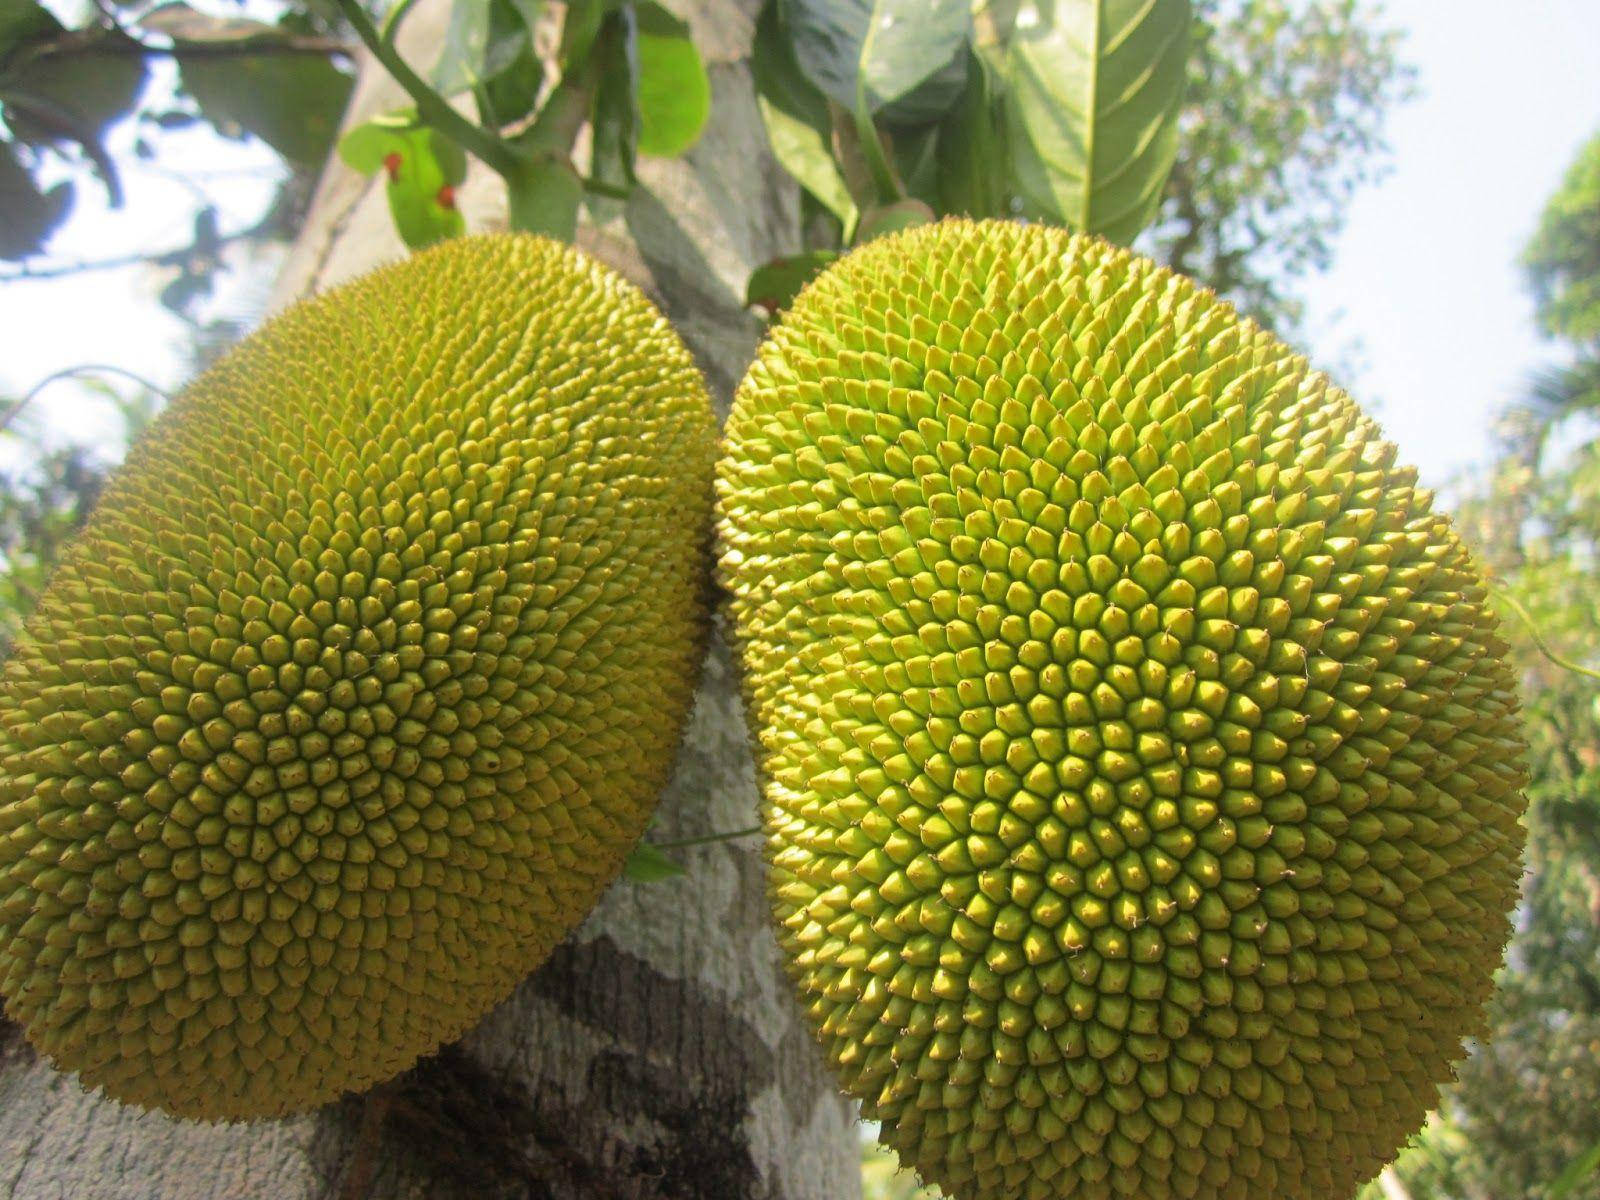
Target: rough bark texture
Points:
(659, 1052)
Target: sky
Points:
(1426, 277)
(1424, 283)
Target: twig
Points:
(1565, 664)
(68, 372)
(431, 106)
(708, 838)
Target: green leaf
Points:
(649, 865)
(66, 86)
(27, 215)
(292, 102)
(774, 285)
(1092, 95)
(579, 29)
(483, 41)
(891, 218)
(1578, 1171)
(512, 92)
(544, 198)
(797, 120)
(882, 51)
(971, 153)
(674, 93)
(423, 169)
(615, 118)
(23, 20)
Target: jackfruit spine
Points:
(360, 684)
(1140, 760)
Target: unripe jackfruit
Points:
(1140, 757)
(360, 684)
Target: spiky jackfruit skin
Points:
(360, 684)
(1140, 758)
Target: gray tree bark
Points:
(659, 1052)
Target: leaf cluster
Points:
(63, 90)
(625, 69)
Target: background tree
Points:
(1524, 1121)
(1282, 124)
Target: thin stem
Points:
(391, 21)
(1566, 664)
(884, 181)
(599, 187)
(67, 373)
(431, 106)
(708, 838)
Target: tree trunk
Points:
(659, 1052)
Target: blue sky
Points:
(1426, 274)
(1424, 282)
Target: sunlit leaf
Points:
(891, 48)
(674, 93)
(796, 116)
(1092, 95)
(615, 117)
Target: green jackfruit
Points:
(1140, 758)
(360, 684)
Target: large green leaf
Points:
(973, 173)
(292, 102)
(615, 117)
(59, 85)
(486, 41)
(882, 52)
(674, 93)
(1092, 95)
(796, 116)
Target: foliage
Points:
(1527, 1107)
(63, 90)
(883, 1178)
(625, 68)
(890, 113)
(1563, 258)
(1281, 125)
(46, 493)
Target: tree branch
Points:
(119, 43)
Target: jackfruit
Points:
(359, 685)
(1140, 760)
